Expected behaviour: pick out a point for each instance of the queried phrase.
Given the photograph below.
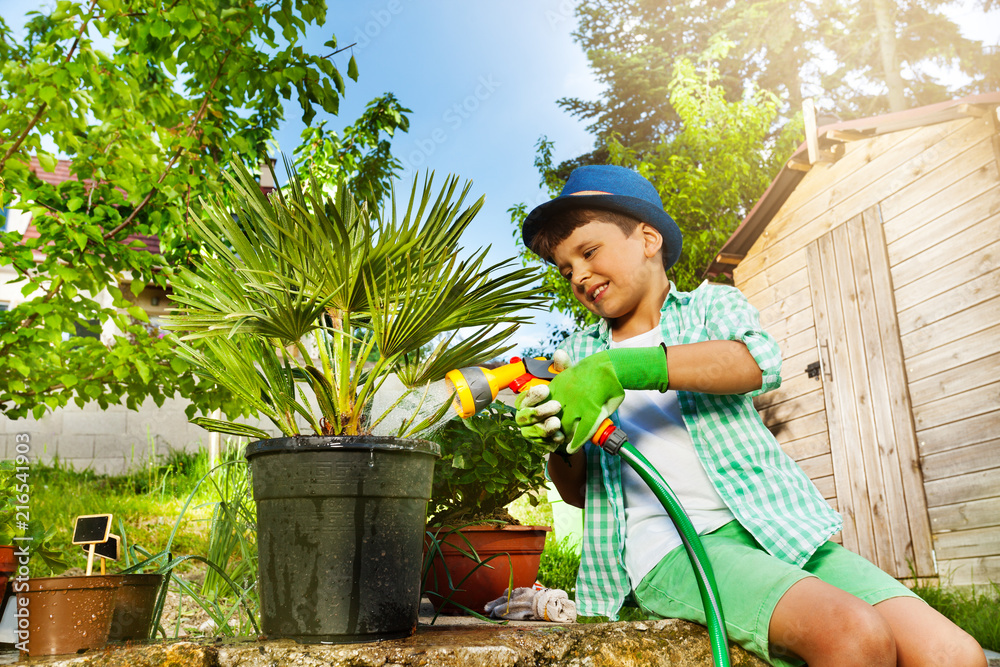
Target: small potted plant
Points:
(476, 549)
(8, 512)
(302, 305)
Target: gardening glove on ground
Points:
(536, 415)
(594, 388)
(530, 604)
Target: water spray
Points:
(476, 387)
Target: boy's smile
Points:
(617, 277)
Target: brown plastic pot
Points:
(8, 566)
(69, 614)
(134, 606)
(523, 545)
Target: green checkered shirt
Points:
(765, 489)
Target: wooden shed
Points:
(874, 259)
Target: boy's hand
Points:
(536, 416)
(593, 389)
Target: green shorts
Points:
(751, 581)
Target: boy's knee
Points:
(956, 650)
(865, 638)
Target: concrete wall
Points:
(108, 441)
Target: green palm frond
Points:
(298, 265)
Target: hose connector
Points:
(609, 437)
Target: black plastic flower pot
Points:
(340, 523)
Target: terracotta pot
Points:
(8, 566)
(524, 545)
(69, 614)
(134, 606)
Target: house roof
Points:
(736, 248)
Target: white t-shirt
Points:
(654, 425)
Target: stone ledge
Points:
(661, 643)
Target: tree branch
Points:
(45, 105)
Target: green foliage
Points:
(288, 278)
(560, 564)
(146, 124)
(144, 499)
(485, 465)
(709, 172)
(362, 157)
(18, 525)
(973, 610)
(794, 48)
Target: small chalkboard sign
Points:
(92, 529)
(111, 549)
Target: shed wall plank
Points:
(959, 407)
(954, 353)
(976, 151)
(791, 230)
(964, 296)
(800, 406)
(971, 431)
(803, 448)
(970, 571)
(958, 326)
(794, 383)
(964, 516)
(968, 543)
(954, 380)
(944, 251)
(963, 488)
(919, 229)
(960, 461)
(946, 278)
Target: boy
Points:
(678, 371)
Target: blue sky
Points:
(482, 80)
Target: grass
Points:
(147, 499)
(975, 610)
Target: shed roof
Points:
(788, 178)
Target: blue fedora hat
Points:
(610, 188)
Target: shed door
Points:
(872, 441)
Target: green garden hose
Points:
(695, 550)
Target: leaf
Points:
(74, 203)
(352, 69)
(160, 29)
(68, 380)
(191, 28)
(230, 428)
(138, 313)
(47, 161)
(136, 286)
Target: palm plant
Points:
(298, 289)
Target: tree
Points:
(708, 173)
(149, 125)
(858, 57)
(891, 55)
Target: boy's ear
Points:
(652, 239)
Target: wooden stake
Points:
(90, 559)
(103, 559)
(809, 120)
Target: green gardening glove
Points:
(592, 390)
(537, 416)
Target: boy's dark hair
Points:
(560, 227)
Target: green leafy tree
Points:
(860, 57)
(708, 173)
(892, 55)
(147, 100)
(362, 156)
